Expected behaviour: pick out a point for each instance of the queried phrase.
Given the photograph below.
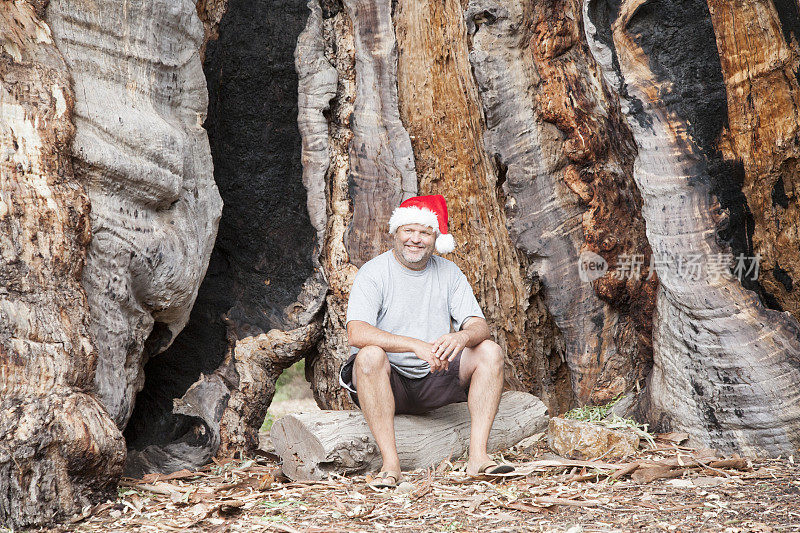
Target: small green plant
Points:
(268, 421)
(617, 422)
(593, 413)
(603, 415)
(452, 526)
(281, 504)
(124, 491)
(282, 390)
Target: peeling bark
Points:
(59, 450)
(381, 172)
(567, 159)
(328, 41)
(725, 369)
(759, 62)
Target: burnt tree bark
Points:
(725, 367)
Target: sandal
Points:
(490, 468)
(386, 480)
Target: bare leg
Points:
(371, 380)
(482, 368)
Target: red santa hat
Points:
(429, 211)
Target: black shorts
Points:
(417, 395)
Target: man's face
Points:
(413, 245)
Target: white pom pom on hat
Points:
(429, 211)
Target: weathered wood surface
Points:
(325, 62)
(313, 445)
(258, 362)
(59, 450)
(191, 443)
(567, 157)
(725, 368)
(141, 151)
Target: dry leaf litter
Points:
(664, 487)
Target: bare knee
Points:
(371, 360)
(491, 355)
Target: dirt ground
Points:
(252, 495)
(674, 489)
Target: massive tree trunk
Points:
(257, 311)
(59, 450)
(725, 368)
(518, 121)
(144, 157)
(635, 134)
(112, 114)
(566, 158)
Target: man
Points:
(419, 339)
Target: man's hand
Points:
(424, 350)
(449, 345)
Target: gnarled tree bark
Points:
(759, 56)
(725, 368)
(59, 450)
(567, 159)
(141, 151)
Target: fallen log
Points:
(313, 445)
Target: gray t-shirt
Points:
(421, 304)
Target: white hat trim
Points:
(413, 215)
(445, 243)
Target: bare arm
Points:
(477, 329)
(360, 334)
(474, 332)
